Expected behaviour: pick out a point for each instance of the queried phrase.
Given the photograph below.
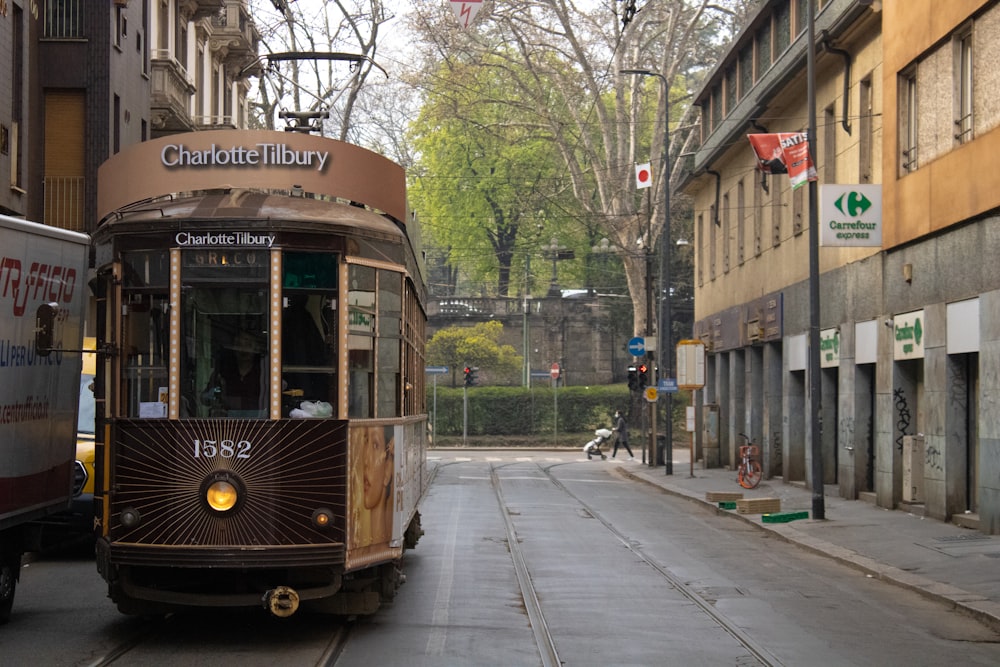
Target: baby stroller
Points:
(593, 448)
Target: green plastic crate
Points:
(727, 504)
(784, 517)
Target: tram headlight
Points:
(322, 518)
(221, 496)
(222, 492)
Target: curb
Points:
(974, 605)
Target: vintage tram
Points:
(261, 417)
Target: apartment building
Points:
(83, 79)
(905, 100)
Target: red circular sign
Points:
(643, 176)
(554, 372)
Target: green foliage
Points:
(478, 345)
(521, 411)
(488, 175)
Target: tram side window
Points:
(361, 341)
(308, 335)
(145, 332)
(390, 314)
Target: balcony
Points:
(64, 203)
(171, 95)
(199, 9)
(234, 37)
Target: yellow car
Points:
(76, 525)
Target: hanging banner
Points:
(643, 176)
(784, 153)
(466, 10)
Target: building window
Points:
(64, 19)
(740, 221)
(763, 50)
(725, 232)
(800, 16)
(865, 138)
(712, 241)
(732, 89)
(700, 240)
(782, 29)
(758, 216)
(964, 87)
(10, 144)
(829, 145)
(746, 70)
(798, 210)
(776, 206)
(908, 121)
(716, 107)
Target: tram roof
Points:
(219, 205)
(251, 159)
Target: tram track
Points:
(158, 628)
(543, 638)
(536, 617)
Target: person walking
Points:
(621, 430)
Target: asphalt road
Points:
(536, 558)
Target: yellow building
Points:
(906, 113)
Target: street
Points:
(532, 558)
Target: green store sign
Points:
(908, 335)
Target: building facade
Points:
(83, 79)
(905, 101)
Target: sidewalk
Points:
(938, 560)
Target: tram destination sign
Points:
(214, 239)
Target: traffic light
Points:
(643, 376)
(633, 379)
(470, 376)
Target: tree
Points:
(478, 346)
(485, 179)
(346, 91)
(561, 60)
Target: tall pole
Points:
(665, 324)
(818, 508)
(526, 339)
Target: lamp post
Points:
(663, 328)
(556, 253)
(815, 401)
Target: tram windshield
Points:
(224, 351)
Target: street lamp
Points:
(601, 252)
(556, 253)
(664, 325)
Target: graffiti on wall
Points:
(903, 416)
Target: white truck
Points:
(42, 269)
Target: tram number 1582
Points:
(227, 449)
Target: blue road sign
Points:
(668, 385)
(436, 370)
(637, 346)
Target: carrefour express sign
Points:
(850, 215)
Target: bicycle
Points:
(749, 472)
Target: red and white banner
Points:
(643, 176)
(466, 10)
(784, 153)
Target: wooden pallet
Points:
(758, 505)
(722, 496)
